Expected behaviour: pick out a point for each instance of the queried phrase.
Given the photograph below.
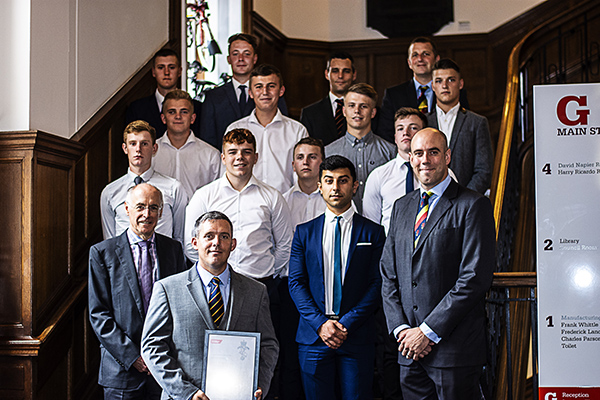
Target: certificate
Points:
(230, 368)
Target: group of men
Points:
(283, 225)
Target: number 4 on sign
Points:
(546, 169)
(549, 319)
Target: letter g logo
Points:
(550, 396)
(561, 111)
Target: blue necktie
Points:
(145, 272)
(410, 186)
(215, 301)
(337, 268)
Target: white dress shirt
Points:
(446, 120)
(332, 100)
(328, 251)
(304, 207)
(159, 100)
(261, 225)
(195, 164)
(238, 91)
(112, 204)
(384, 186)
(275, 147)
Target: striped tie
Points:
(421, 215)
(215, 301)
(422, 101)
(340, 120)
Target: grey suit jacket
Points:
(442, 281)
(115, 303)
(173, 335)
(471, 154)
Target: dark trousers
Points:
(148, 390)
(422, 382)
(350, 366)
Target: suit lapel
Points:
(328, 110)
(123, 252)
(230, 90)
(235, 304)
(443, 205)
(412, 94)
(460, 120)
(357, 227)
(196, 289)
(164, 267)
(316, 242)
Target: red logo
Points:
(561, 110)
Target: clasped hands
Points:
(333, 333)
(412, 343)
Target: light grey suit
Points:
(178, 315)
(471, 154)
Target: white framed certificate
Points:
(230, 368)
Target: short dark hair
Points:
(266, 70)
(210, 216)
(340, 55)
(423, 39)
(332, 163)
(404, 112)
(244, 37)
(178, 94)
(311, 141)
(166, 53)
(239, 136)
(364, 89)
(446, 63)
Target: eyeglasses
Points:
(152, 207)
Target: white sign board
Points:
(567, 159)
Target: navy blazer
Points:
(146, 109)
(443, 281)
(220, 108)
(403, 95)
(362, 282)
(115, 304)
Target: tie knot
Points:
(242, 88)
(407, 164)
(426, 195)
(215, 281)
(423, 88)
(137, 180)
(144, 244)
(340, 102)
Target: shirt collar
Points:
(226, 184)
(296, 189)
(332, 99)
(277, 118)
(418, 85)
(206, 276)
(346, 215)
(135, 239)
(451, 112)
(159, 99)
(236, 85)
(439, 189)
(368, 138)
(145, 176)
(399, 160)
(164, 139)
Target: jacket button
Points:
(414, 284)
(415, 308)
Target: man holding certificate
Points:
(208, 296)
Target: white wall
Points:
(337, 20)
(14, 47)
(63, 59)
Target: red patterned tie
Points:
(421, 216)
(423, 100)
(340, 120)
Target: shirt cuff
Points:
(431, 335)
(400, 329)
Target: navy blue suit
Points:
(220, 108)
(360, 299)
(147, 110)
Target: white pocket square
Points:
(363, 244)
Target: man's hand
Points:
(333, 333)
(140, 365)
(414, 344)
(258, 393)
(199, 395)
